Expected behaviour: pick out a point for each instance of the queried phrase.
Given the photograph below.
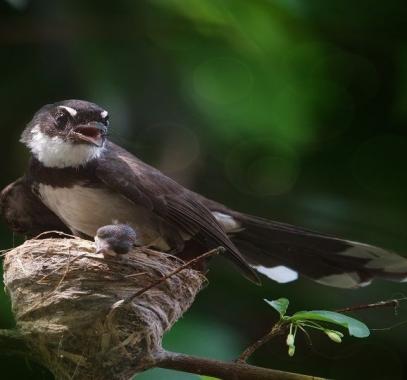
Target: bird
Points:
(78, 180)
(115, 240)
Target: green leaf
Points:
(356, 328)
(280, 305)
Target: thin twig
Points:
(188, 264)
(394, 303)
(277, 329)
(55, 232)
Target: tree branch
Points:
(223, 370)
(277, 329)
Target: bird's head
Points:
(115, 239)
(67, 134)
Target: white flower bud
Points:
(291, 350)
(334, 335)
(290, 340)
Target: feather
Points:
(173, 204)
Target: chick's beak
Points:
(93, 133)
(102, 247)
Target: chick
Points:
(115, 240)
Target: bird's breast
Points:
(84, 209)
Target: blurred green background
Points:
(292, 110)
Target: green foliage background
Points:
(292, 110)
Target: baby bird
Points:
(115, 240)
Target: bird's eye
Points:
(105, 120)
(61, 118)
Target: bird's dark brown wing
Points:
(24, 213)
(172, 203)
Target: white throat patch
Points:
(57, 153)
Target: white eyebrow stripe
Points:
(104, 114)
(71, 111)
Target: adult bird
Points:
(79, 181)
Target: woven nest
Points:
(68, 303)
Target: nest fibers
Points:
(68, 303)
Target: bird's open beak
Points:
(93, 133)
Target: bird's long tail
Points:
(281, 252)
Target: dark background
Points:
(292, 110)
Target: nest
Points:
(68, 303)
